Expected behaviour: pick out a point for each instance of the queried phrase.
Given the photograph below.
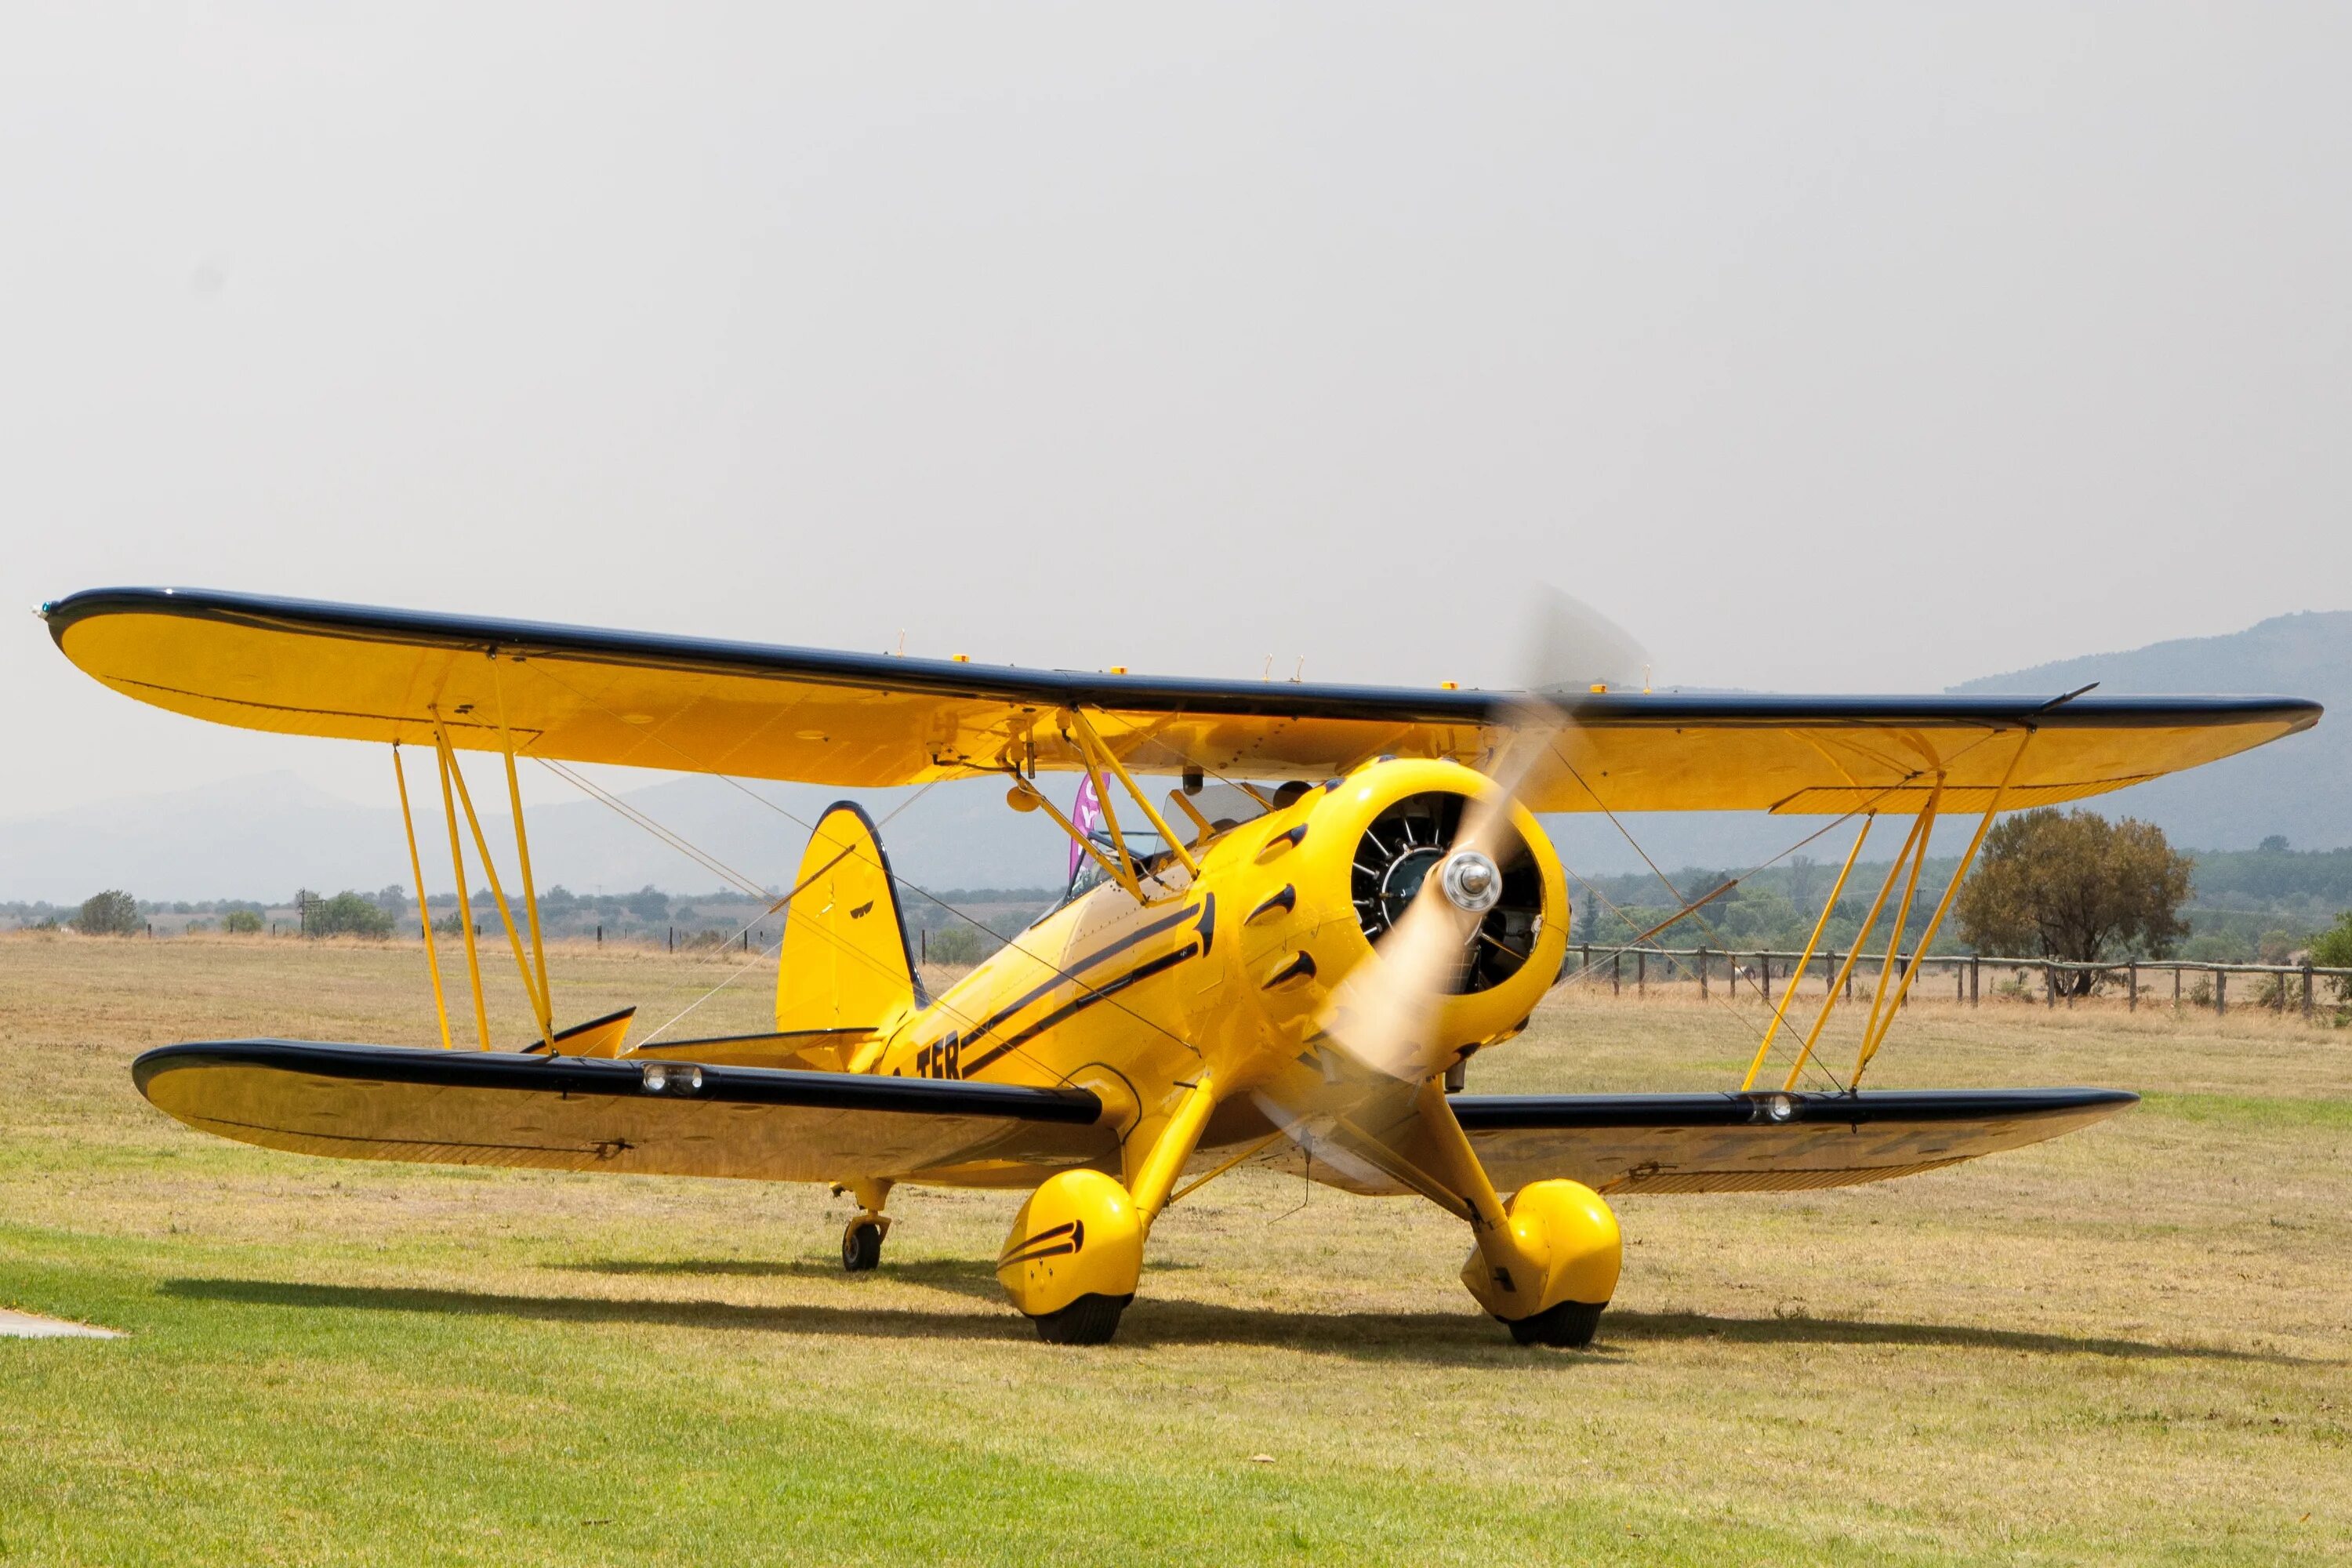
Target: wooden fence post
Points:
(1616, 972)
(2306, 991)
(2221, 992)
(1764, 972)
(2050, 982)
(2176, 988)
(1640, 971)
(1975, 974)
(1701, 973)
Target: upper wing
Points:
(1760, 1142)
(870, 721)
(571, 1113)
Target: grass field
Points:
(2128, 1345)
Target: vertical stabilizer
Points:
(843, 963)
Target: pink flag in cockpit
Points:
(1085, 815)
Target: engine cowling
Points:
(1360, 849)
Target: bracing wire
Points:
(696, 765)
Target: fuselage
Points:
(1231, 972)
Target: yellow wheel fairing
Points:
(1563, 1246)
(1079, 1234)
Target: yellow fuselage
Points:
(1228, 972)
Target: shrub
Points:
(241, 923)
(2332, 949)
(960, 944)
(110, 913)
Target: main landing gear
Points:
(1550, 1268)
(861, 1244)
(861, 1239)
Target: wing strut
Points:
(1908, 860)
(416, 867)
(465, 904)
(1872, 1041)
(522, 853)
(1100, 767)
(1913, 843)
(1764, 1047)
(497, 893)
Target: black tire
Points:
(861, 1246)
(1088, 1320)
(1570, 1326)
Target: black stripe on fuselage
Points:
(1205, 911)
(1077, 1004)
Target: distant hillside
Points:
(2300, 787)
(263, 836)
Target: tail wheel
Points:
(861, 1246)
(1088, 1320)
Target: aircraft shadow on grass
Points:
(1441, 1336)
(965, 1276)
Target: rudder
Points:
(844, 962)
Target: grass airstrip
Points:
(2132, 1345)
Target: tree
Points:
(2274, 844)
(2071, 885)
(348, 914)
(110, 913)
(241, 923)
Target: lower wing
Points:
(637, 1116)
(1771, 1143)
(1763, 1143)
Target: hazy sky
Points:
(1826, 348)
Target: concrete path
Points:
(25, 1326)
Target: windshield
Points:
(1220, 806)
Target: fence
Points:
(1758, 971)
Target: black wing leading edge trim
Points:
(626, 1078)
(944, 678)
(1512, 1113)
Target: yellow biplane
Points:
(1348, 895)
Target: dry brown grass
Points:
(2130, 1344)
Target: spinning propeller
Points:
(1383, 1014)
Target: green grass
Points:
(2251, 1110)
(2126, 1345)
